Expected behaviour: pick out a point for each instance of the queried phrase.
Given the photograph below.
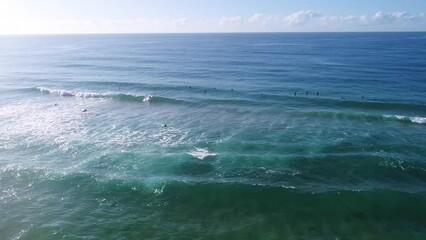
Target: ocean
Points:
(213, 136)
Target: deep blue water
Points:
(213, 136)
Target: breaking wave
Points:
(117, 96)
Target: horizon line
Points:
(242, 32)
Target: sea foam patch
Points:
(201, 153)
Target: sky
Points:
(181, 16)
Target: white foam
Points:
(89, 95)
(66, 93)
(169, 136)
(31, 122)
(399, 117)
(59, 92)
(418, 120)
(201, 153)
(82, 94)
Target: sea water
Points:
(213, 136)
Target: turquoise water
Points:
(213, 136)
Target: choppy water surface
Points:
(213, 136)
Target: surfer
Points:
(84, 110)
(307, 93)
(205, 91)
(165, 125)
(317, 93)
(147, 99)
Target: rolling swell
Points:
(285, 212)
(265, 101)
(384, 105)
(223, 97)
(334, 102)
(363, 116)
(198, 210)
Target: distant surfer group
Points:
(261, 94)
(306, 93)
(295, 93)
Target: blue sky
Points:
(121, 16)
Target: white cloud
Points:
(315, 21)
(180, 22)
(302, 17)
(264, 20)
(379, 18)
(389, 17)
(236, 21)
(257, 18)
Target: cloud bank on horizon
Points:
(315, 21)
(24, 19)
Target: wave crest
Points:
(418, 120)
(116, 96)
(67, 93)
